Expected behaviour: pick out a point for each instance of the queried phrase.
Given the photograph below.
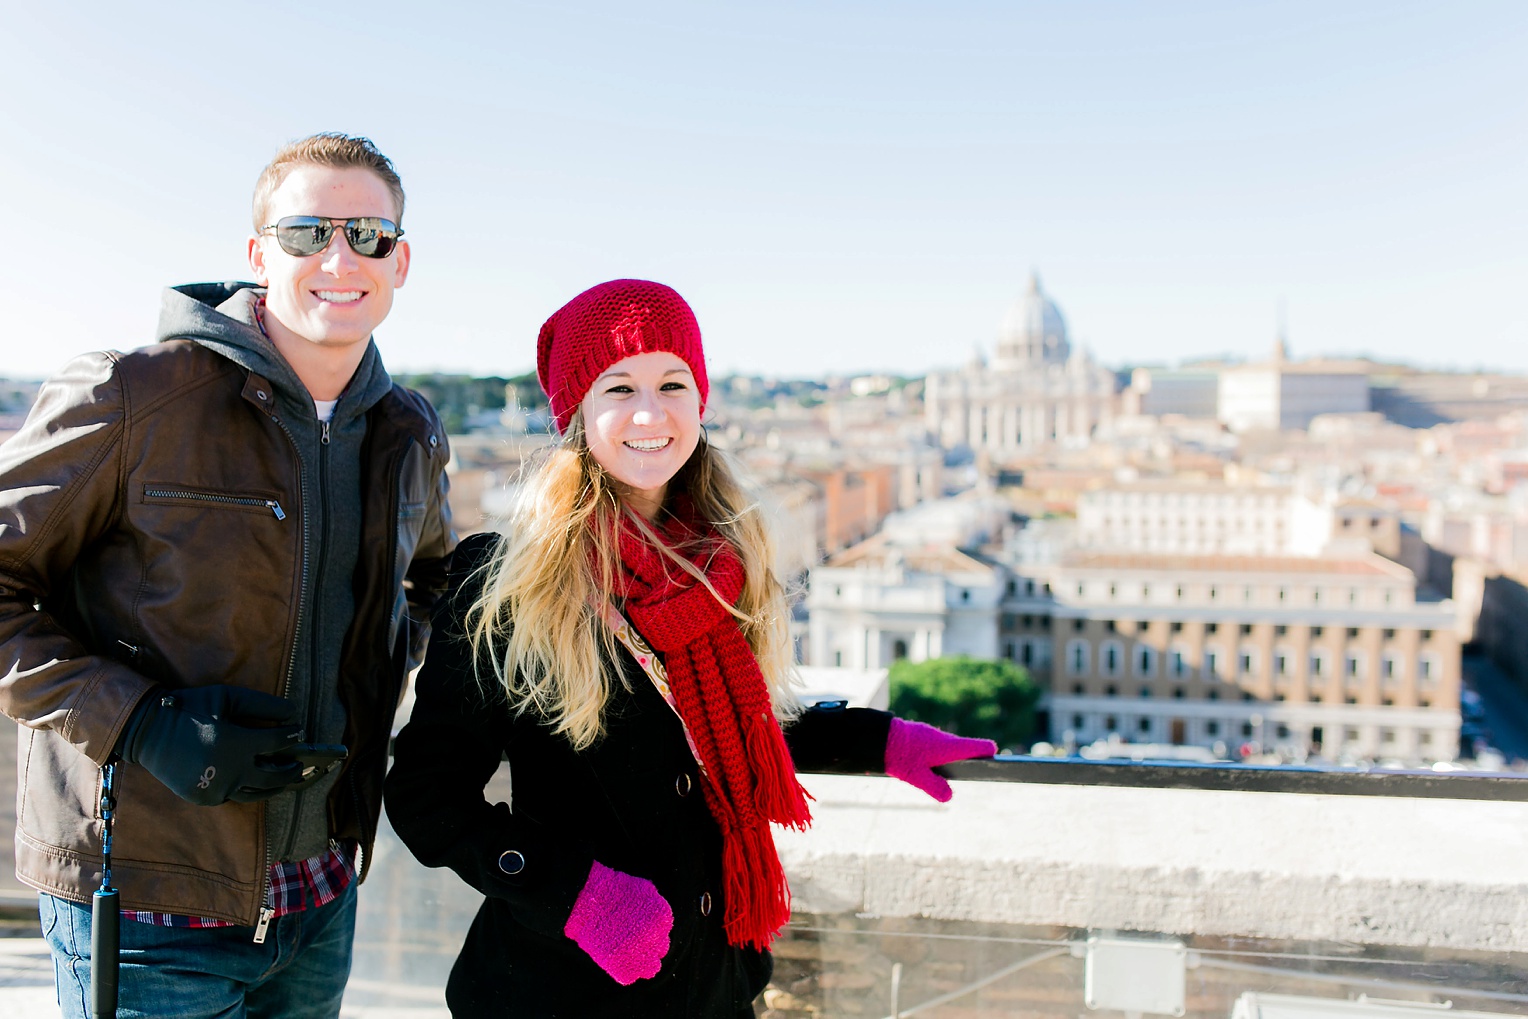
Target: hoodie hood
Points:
(221, 317)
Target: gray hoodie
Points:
(221, 317)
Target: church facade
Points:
(1034, 391)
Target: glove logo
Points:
(207, 776)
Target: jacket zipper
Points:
(267, 911)
(323, 530)
(227, 500)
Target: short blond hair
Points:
(329, 148)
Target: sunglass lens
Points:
(371, 237)
(303, 235)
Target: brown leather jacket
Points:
(110, 582)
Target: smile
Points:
(647, 445)
(339, 296)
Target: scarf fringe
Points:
(778, 795)
(758, 898)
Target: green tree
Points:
(969, 696)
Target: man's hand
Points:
(211, 744)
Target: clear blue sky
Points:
(836, 186)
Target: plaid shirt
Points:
(324, 875)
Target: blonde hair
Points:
(536, 619)
(334, 150)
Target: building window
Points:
(1178, 693)
(1214, 593)
(1211, 627)
(1427, 635)
(1212, 728)
(1145, 726)
(1078, 625)
(1387, 735)
(1280, 664)
(1077, 657)
(1111, 723)
(1077, 721)
(899, 650)
(1145, 661)
(1350, 734)
(1213, 695)
(1352, 633)
(1354, 668)
(1080, 590)
(1180, 592)
(1389, 634)
(1178, 662)
(1390, 670)
(1110, 626)
(1283, 731)
(1111, 657)
(1177, 627)
(1146, 692)
(1280, 630)
(1246, 629)
(1211, 664)
(1246, 728)
(1315, 631)
(1027, 621)
(1318, 665)
(1427, 669)
(838, 659)
(1248, 662)
(1026, 652)
(1078, 689)
(1029, 587)
(1111, 690)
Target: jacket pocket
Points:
(203, 498)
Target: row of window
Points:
(1246, 594)
(1146, 727)
(1245, 629)
(1145, 660)
(1213, 694)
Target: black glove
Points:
(206, 743)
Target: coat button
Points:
(511, 862)
(682, 784)
(705, 903)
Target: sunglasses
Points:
(368, 236)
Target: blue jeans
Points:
(181, 972)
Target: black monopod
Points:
(105, 916)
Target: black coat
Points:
(632, 801)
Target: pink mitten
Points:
(912, 750)
(622, 922)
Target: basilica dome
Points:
(1033, 333)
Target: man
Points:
(215, 551)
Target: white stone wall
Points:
(1368, 870)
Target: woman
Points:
(624, 645)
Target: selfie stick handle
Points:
(105, 913)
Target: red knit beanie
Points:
(608, 323)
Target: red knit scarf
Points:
(746, 768)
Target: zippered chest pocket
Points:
(264, 503)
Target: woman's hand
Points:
(913, 749)
(623, 923)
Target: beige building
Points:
(1291, 652)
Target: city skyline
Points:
(838, 189)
